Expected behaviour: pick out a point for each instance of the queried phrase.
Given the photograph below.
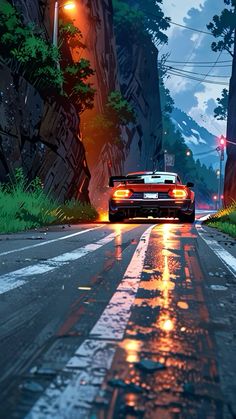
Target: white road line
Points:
(205, 217)
(74, 390)
(226, 257)
(49, 241)
(17, 278)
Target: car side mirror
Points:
(190, 184)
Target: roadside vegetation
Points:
(25, 206)
(224, 220)
(51, 70)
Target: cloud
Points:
(210, 106)
(190, 89)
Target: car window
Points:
(154, 179)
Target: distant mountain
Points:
(200, 141)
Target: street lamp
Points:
(68, 5)
(188, 153)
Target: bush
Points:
(224, 220)
(25, 205)
(75, 211)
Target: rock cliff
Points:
(139, 84)
(134, 72)
(40, 135)
(42, 138)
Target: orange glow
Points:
(69, 6)
(103, 216)
(167, 325)
(132, 348)
(183, 305)
(178, 193)
(118, 242)
(122, 193)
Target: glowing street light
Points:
(69, 6)
(188, 153)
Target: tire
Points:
(188, 218)
(115, 218)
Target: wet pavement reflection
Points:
(169, 325)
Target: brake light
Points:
(178, 193)
(122, 193)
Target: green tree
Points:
(138, 20)
(27, 52)
(106, 127)
(223, 26)
(221, 111)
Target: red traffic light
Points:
(222, 140)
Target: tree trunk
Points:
(230, 170)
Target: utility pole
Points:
(222, 157)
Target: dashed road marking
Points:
(17, 278)
(74, 390)
(49, 241)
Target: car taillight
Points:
(122, 193)
(178, 193)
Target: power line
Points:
(199, 62)
(173, 73)
(191, 29)
(193, 72)
(188, 64)
(213, 66)
(176, 24)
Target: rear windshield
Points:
(169, 179)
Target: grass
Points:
(25, 206)
(224, 220)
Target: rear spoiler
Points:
(114, 179)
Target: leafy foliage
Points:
(167, 103)
(106, 127)
(221, 111)
(138, 20)
(31, 55)
(224, 26)
(37, 60)
(76, 86)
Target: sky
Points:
(196, 98)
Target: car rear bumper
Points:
(146, 207)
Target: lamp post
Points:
(69, 5)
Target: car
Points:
(156, 194)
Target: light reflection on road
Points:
(169, 324)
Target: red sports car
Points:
(156, 194)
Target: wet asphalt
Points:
(182, 319)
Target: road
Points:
(118, 321)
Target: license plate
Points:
(150, 195)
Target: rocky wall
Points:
(42, 138)
(139, 84)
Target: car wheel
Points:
(115, 218)
(187, 218)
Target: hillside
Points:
(199, 140)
